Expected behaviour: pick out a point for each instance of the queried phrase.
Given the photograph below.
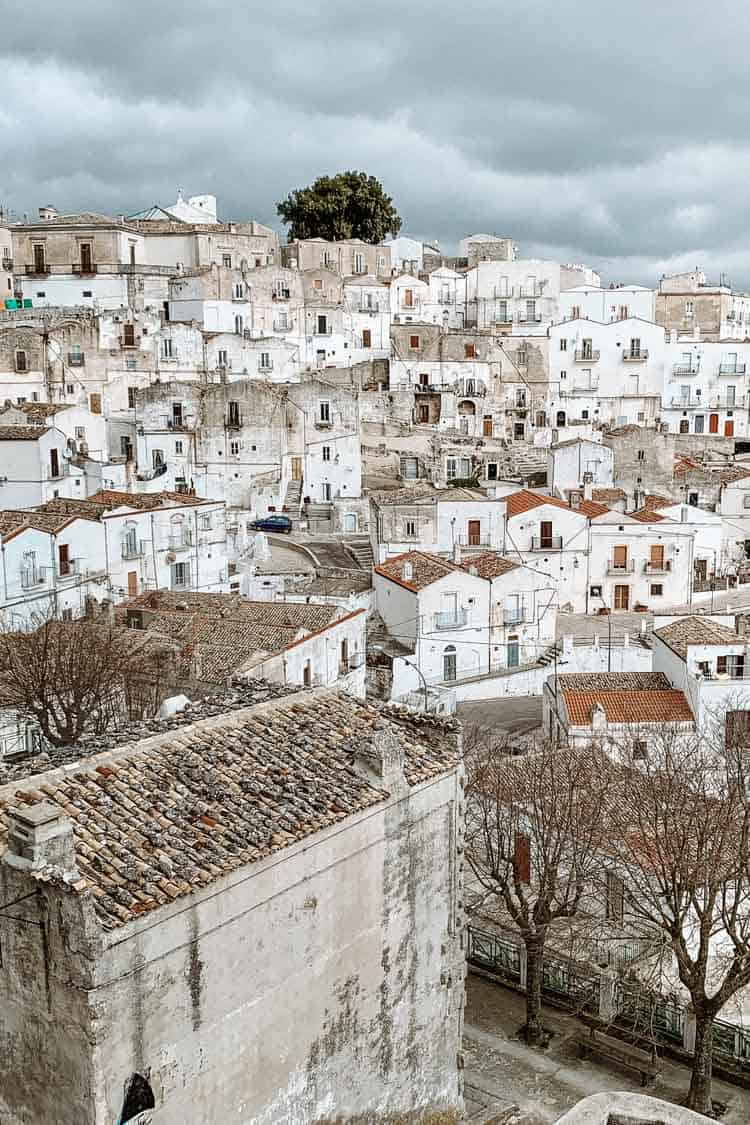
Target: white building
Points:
(571, 463)
(710, 663)
(367, 318)
(706, 387)
(447, 521)
(621, 302)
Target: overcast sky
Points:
(588, 130)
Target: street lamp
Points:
(424, 681)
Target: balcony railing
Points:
(687, 403)
(731, 368)
(530, 291)
(513, 616)
(686, 368)
(452, 619)
(369, 308)
(639, 356)
(180, 542)
(33, 576)
(133, 548)
(528, 318)
(83, 269)
(663, 567)
(234, 422)
(626, 567)
(725, 402)
(732, 673)
(589, 388)
(474, 540)
(40, 270)
(446, 299)
(546, 542)
(587, 355)
(7, 264)
(426, 388)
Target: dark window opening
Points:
(138, 1097)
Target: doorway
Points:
(449, 663)
(296, 468)
(729, 427)
(513, 652)
(474, 533)
(132, 583)
(713, 423)
(487, 426)
(622, 597)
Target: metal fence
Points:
(495, 953)
(648, 1013)
(577, 988)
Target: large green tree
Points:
(348, 205)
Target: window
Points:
(623, 312)
(450, 468)
(317, 283)
(575, 312)
(64, 561)
(166, 348)
(640, 750)
(282, 322)
(70, 389)
(264, 362)
(563, 374)
(326, 452)
(584, 415)
(39, 294)
(239, 291)
(178, 447)
(226, 261)
(411, 529)
(641, 455)
(324, 412)
(157, 458)
(641, 416)
(326, 491)
(95, 403)
(414, 342)
(180, 575)
(40, 258)
(239, 325)
(87, 293)
(132, 391)
(80, 433)
(234, 418)
(449, 662)
(689, 308)
(206, 522)
(322, 325)
(615, 897)
(21, 362)
(234, 448)
(366, 338)
(128, 335)
(656, 590)
(222, 357)
(359, 263)
(125, 446)
(131, 364)
(469, 351)
(684, 425)
(635, 347)
(563, 345)
(492, 473)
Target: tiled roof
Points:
(735, 473)
(415, 494)
(696, 631)
(144, 500)
(12, 521)
(645, 515)
(22, 433)
(613, 681)
(608, 495)
(221, 634)
(652, 502)
(524, 501)
(591, 508)
(157, 819)
(618, 431)
(39, 409)
(489, 565)
(628, 706)
(425, 569)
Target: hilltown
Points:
(356, 512)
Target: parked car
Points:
(282, 525)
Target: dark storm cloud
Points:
(586, 129)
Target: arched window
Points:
(561, 418)
(449, 662)
(238, 325)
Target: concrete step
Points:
(361, 549)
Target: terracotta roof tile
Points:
(425, 569)
(22, 433)
(696, 631)
(607, 495)
(628, 706)
(490, 564)
(157, 819)
(645, 515)
(652, 502)
(525, 500)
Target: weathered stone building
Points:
(251, 913)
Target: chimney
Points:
(381, 760)
(588, 486)
(456, 552)
(598, 718)
(40, 836)
(407, 572)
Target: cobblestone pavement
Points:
(501, 1071)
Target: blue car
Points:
(282, 525)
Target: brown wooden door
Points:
(40, 264)
(620, 558)
(366, 338)
(474, 530)
(296, 468)
(86, 257)
(729, 427)
(545, 534)
(657, 556)
(63, 559)
(132, 583)
(622, 597)
(95, 403)
(54, 463)
(487, 426)
(713, 423)
(409, 298)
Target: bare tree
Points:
(681, 835)
(77, 677)
(533, 838)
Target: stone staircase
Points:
(550, 655)
(293, 498)
(319, 518)
(361, 550)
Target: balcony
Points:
(7, 264)
(513, 616)
(133, 548)
(474, 541)
(180, 542)
(323, 332)
(281, 295)
(369, 308)
(83, 269)
(233, 422)
(587, 355)
(132, 342)
(617, 568)
(40, 269)
(731, 368)
(33, 576)
(591, 387)
(687, 403)
(663, 567)
(546, 542)
(281, 326)
(76, 359)
(639, 356)
(531, 291)
(446, 299)
(686, 368)
(452, 619)
(529, 318)
(426, 388)
(323, 424)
